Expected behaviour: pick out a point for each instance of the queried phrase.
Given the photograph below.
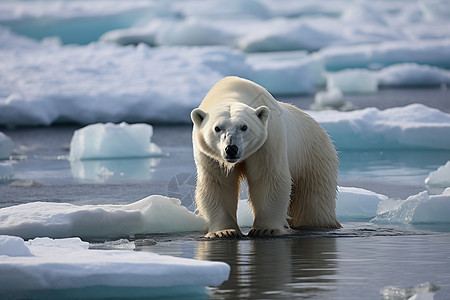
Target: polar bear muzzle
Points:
(231, 151)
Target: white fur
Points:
(287, 158)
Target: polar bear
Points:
(288, 160)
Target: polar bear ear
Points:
(263, 113)
(197, 116)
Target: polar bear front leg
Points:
(269, 195)
(217, 197)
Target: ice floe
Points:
(106, 141)
(440, 177)
(154, 214)
(48, 264)
(378, 55)
(411, 127)
(6, 171)
(357, 203)
(416, 209)
(412, 74)
(353, 81)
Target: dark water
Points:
(351, 263)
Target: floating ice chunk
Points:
(422, 291)
(6, 171)
(440, 177)
(154, 214)
(6, 146)
(411, 127)
(357, 203)
(99, 141)
(353, 81)
(412, 75)
(329, 99)
(420, 208)
(68, 264)
(428, 52)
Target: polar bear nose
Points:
(231, 150)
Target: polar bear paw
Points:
(264, 232)
(225, 233)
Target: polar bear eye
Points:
(217, 129)
(244, 128)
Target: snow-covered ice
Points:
(354, 203)
(106, 141)
(425, 52)
(440, 177)
(411, 127)
(154, 214)
(45, 83)
(412, 74)
(44, 263)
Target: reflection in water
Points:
(114, 169)
(263, 268)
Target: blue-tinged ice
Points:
(415, 126)
(106, 141)
(422, 208)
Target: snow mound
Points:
(49, 264)
(420, 208)
(6, 146)
(104, 141)
(411, 127)
(440, 177)
(154, 214)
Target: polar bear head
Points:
(232, 132)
